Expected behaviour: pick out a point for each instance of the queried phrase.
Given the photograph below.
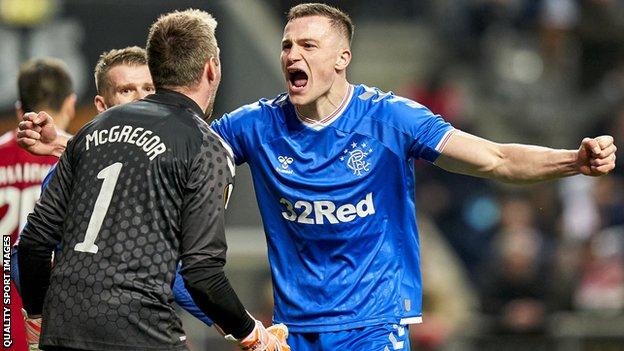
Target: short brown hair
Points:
(337, 18)
(43, 84)
(178, 45)
(132, 56)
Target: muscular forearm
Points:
(512, 163)
(527, 163)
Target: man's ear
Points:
(99, 103)
(343, 59)
(212, 69)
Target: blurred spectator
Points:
(601, 31)
(601, 275)
(617, 126)
(448, 298)
(580, 218)
(440, 94)
(465, 209)
(609, 196)
(588, 262)
(558, 19)
(515, 288)
(601, 284)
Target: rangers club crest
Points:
(355, 158)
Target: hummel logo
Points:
(396, 344)
(285, 161)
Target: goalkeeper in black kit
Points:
(141, 187)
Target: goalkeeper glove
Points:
(264, 339)
(33, 331)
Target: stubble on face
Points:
(213, 96)
(210, 108)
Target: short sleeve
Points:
(225, 127)
(426, 132)
(241, 129)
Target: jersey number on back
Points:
(110, 175)
(20, 203)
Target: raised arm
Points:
(38, 135)
(517, 163)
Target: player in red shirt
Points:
(43, 84)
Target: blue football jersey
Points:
(337, 204)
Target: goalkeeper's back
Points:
(119, 205)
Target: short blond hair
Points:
(131, 56)
(178, 45)
(338, 19)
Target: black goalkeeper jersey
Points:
(139, 188)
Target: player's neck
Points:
(200, 96)
(60, 120)
(326, 104)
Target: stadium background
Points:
(505, 267)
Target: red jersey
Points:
(21, 175)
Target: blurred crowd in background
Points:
(545, 72)
(537, 267)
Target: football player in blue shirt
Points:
(332, 166)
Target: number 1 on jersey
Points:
(110, 175)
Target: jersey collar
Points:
(318, 125)
(171, 97)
